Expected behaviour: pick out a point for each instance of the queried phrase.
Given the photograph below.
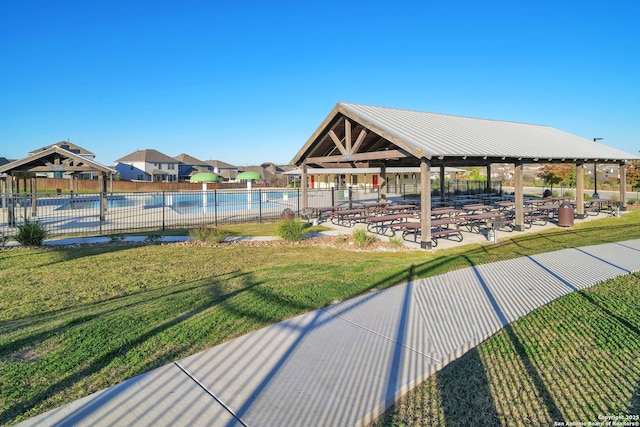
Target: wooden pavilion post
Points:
(102, 183)
(623, 186)
(425, 203)
(303, 186)
(519, 196)
(580, 189)
(382, 186)
(488, 190)
(71, 184)
(34, 196)
(11, 212)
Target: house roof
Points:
(362, 133)
(220, 164)
(189, 160)
(147, 156)
(55, 159)
(67, 145)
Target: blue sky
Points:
(248, 82)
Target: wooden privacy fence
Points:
(116, 186)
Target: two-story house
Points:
(223, 169)
(189, 165)
(148, 165)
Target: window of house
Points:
(171, 166)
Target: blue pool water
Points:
(211, 202)
(94, 203)
(186, 202)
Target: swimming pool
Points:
(93, 202)
(189, 202)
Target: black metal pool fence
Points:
(82, 214)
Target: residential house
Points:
(189, 165)
(271, 174)
(148, 165)
(225, 170)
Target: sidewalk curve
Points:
(344, 364)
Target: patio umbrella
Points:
(204, 178)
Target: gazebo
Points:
(357, 135)
(52, 159)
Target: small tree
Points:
(555, 174)
(633, 175)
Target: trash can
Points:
(565, 215)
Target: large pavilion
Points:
(357, 136)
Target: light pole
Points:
(595, 175)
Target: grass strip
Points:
(571, 361)
(74, 320)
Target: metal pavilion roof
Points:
(446, 139)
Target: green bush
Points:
(208, 234)
(31, 233)
(568, 193)
(3, 239)
(154, 238)
(396, 242)
(363, 239)
(116, 238)
(291, 229)
(633, 201)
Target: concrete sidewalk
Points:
(344, 364)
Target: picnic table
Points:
(374, 205)
(321, 211)
(349, 217)
(396, 208)
(549, 209)
(505, 204)
(439, 213)
(479, 207)
(440, 229)
(380, 224)
(480, 220)
(595, 205)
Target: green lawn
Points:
(572, 360)
(74, 320)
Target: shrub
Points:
(568, 193)
(153, 238)
(31, 233)
(395, 241)
(633, 201)
(3, 239)
(291, 229)
(208, 234)
(363, 239)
